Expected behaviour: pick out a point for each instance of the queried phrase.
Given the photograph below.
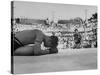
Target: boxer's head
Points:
(47, 41)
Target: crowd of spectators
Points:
(65, 35)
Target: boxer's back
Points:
(29, 36)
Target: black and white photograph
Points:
(53, 37)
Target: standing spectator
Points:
(94, 37)
(77, 39)
(47, 22)
(67, 43)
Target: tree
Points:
(93, 18)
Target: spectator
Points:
(77, 39)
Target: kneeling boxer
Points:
(28, 42)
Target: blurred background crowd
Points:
(63, 29)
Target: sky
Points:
(38, 10)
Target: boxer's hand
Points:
(43, 47)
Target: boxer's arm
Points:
(38, 50)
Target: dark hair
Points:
(54, 41)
